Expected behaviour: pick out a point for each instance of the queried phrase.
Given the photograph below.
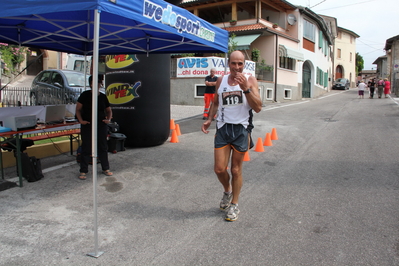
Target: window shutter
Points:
(326, 79)
(320, 39)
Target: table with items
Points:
(13, 140)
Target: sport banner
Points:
(194, 67)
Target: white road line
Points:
(395, 100)
(292, 104)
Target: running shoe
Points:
(232, 213)
(225, 202)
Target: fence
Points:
(23, 96)
(13, 96)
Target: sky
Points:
(374, 21)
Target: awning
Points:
(243, 42)
(290, 53)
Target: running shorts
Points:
(237, 136)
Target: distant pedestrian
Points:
(387, 87)
(371, 85)
(362, 86)
(380, 87)
(210, 82)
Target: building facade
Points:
(392, 63)
(293, 46)
(345, 55)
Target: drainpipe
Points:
(275, 69)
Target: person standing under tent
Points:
(84, 116)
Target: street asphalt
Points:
(160, 207)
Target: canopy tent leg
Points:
(94, 123)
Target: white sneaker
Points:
(232, 213)
(225, 202)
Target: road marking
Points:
(395, 100)
(292, 104)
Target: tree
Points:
(12, 56)
(359, 63)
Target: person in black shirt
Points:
(210, 82)
(371, 85)
(104, 116)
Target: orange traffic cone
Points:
(259, 146)
(178, 129)
(268, 140)
(274, 134)
(246, 157)
(172, 124)
(174, 138)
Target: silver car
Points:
(55, 86)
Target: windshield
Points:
(76, 79)
(341, 80)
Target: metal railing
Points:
(14, 96)
(22, 96)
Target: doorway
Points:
(306, 80)
(339, 72)
(34, 62)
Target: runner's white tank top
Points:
(233, 105)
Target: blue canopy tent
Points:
(133, 26)
(106, 27)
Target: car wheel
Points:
(33, 99)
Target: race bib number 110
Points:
(232, 98)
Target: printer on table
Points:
(17, 123)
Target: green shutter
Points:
(326, 79)
(320, 39)
(326, 48)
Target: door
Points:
(338, 72)
(306, 81)
(34, 62)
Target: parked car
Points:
(341, 84)
(55, 86)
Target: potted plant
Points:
(255, 55)
(275, 25)
(233, 22)
(264, 71)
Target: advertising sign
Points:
(138, 89)
(199, 67)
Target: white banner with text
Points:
(195, 67)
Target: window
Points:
(339, 53)
(350, 57)
(78, 65)
(321, 77)
(309, 30)
(57, 78)
(287, 94)
(199, 90)
(45, 77)
(287, 63)
(269, 94)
